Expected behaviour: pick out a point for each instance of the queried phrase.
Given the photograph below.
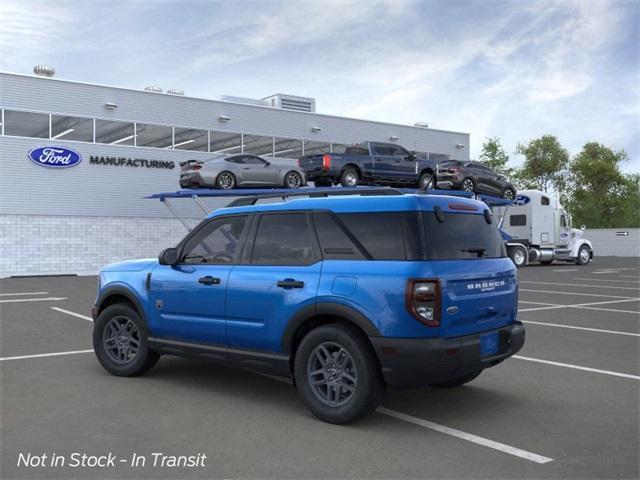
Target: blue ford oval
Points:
(55, 157)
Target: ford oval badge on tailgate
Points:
(55, 157)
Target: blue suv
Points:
(348, 295)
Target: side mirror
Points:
(266, 164)
(169, 256)
(412, 156)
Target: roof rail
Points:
(315, 193)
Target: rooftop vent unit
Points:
(421, 124)
(175, 91)
(244, 100)
(291, 102)
(44, 71)
(153, 88)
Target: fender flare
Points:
(580, 243)
(123, 291)
(326, 308)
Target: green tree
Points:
(600, 195)
(545, 164)
(494, 156)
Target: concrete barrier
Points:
(614, 242)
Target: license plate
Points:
(489, 344)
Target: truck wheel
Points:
(426, 181)
(349, 178)
(337, 374)
(584, 255)
(518, 256)
(120, 341)
(457, 382)
(226, 180)
(468, 185)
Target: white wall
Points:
(608, 242)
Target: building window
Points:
(71, 128)
(258, 145)
(225, 142)
(26, 124)
(287, 148)
(157, 136)
(114, 133)
(190, 139)
(315, 148)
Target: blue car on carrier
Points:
(348, 294)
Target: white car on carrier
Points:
(541, 231)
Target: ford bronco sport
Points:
(346, 295)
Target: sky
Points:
(509, 69)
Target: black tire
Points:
(458, 382)
(349, 177)
(584, 255)
(508, 194)
(426, 181)
(368, 387)
(225, 180)
(131, 364)
(518, 256)
(468, 185)
(322, 182)
(293, 180)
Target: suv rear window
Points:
(462, 236)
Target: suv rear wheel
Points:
(120, 341)
(337, 374)
(426, 181)
(468, 185)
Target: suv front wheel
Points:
(120, 341)
(337, 374)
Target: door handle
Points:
(209, 280)
(290, 283)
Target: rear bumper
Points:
(418, 362)
(447, 181)
(191, 180)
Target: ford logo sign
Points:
(55, 157)
(521, 200)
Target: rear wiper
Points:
(480, 251)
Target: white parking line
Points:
(485, 442)
(541, 303)
(567, 270)
(633, 312)
(48, 299)
(605, 280)
(40, 355)
(23, 293)
(582, 285)
(578, 367)
(598, 330)
(588, 306)
(605, 272)
(574, 293)
(73, 314)
(628, 276)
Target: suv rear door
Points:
(478, 282)
(278, 274)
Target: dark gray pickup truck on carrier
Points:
(370, 163)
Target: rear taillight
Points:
(326, 161)
(196, 167)
(453, 170)
(299, 162)
(423, 301)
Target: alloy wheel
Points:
(332, 374)
(508, 194)
(351, 179)
(293, 180)
(467, 185)
(584, 255)
(226, 181)
(121, 340)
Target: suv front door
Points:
(187, 300)
(278, 274)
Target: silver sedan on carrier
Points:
(241, 170)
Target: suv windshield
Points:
(462, 236)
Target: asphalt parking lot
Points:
(566, 407)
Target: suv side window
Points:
(217, 242)
(380, 233)
(334, 240)
(283, 239)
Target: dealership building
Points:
(128, 145)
